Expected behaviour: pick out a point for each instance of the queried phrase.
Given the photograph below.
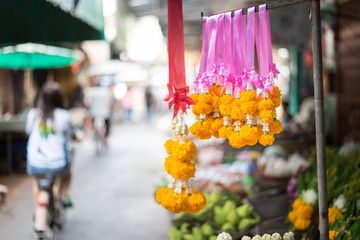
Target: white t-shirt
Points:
(100, 102)
(48, 151)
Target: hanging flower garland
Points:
(179, 195)
(244, 99)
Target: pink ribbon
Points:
(179, 98)
(239, 51)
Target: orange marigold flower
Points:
(249, 107)
(302, 223)
(195, 202)
(275, 127)
(267, 116)
(184, 152)
(292, 216)
(225, 109)
(226, 99)
(215, 126)
(201, 130)
(266, 139)
(265, 104)
(333, 234)
(179, 169)
(246, 96)
(205, 98)
(305, 211)
(204, 107)
(160, 194)
(194, 97)
(169, 145)
(225, 132)
(297, 203)
(236, 141)
(334, 214)
(249, 134)
(236, 113)
(275, 96)
(216, 101)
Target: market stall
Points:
(236, 100)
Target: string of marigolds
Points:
(179, 195)
(244, 117)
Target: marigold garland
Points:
(179, 196)
(301, 214)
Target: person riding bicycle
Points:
(49, 128)
(100, 102)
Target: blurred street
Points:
(113, 194)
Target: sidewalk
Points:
(113, 193)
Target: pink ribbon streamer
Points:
(239, 51)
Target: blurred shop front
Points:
(57, 23)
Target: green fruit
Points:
(213, 238)
(188, 237)
(246, 223)
(185, 227)
(175, 234)
(227, 227)
(207, 229)
(244, 211)
(233, 218)
(229, 206)
(197, 233)
(220, 215)
(214, 197)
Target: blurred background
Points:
(122, 45)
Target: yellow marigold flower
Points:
(225, 132)
(333, 234)
(201, 130)
(215, 126)
(246, 96)
(267, 116)
(160, 194)
(266, 139)
(184, 152)
(226, 99)
(302, 223)
(236, 113)
(305, 211)
(236, 141)
(249, 107)
(203, 107)
(169, 144)
(275, 127)
(265, 104)
(275, 96)
(195, 109)
(225, 109)
(292, 216)
(216, 101)
(205, 98)
(297, 203)
(216, 90)
(179, 169)
(249, 134)
(174, 202)
(195, 202)
(334, 214)
(194, 97)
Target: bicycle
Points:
(49, 197)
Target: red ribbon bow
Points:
(179, 98)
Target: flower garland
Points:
(232, 100)
(179, 196)
(274, 236)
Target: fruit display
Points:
(224, 212)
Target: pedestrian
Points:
(100, 101)
(49, 128)
(127, 103)
(149, 100)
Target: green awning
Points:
(36, 56)
(47, 21)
